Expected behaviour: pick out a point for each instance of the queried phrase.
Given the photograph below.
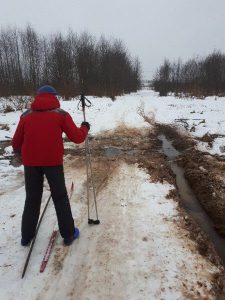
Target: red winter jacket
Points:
(39, 133)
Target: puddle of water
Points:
(168, 149)
(113, 151)
(190, 202)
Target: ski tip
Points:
(42, 268)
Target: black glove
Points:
(86, 124)
(16, 160)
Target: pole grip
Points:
(82, 99)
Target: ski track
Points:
(137, 252)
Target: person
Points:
(38, 139)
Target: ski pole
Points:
(89, 166)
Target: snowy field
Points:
(207, 116)
(138, 251)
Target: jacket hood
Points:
(45, 102)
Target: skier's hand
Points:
(16, 160)
(86, 124)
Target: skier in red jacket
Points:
(38, 139)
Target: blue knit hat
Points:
(47, 89)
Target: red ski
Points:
(52, 240)
(48, 250)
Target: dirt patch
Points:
(131, 145)
(209, 138)
(136, 146)
(3, 145)
(102, 168)
(59, 257)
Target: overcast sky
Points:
(151, 29)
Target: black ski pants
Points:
(34, 179)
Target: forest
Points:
(199, 77)
(72, 63)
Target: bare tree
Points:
(73, 64)
(197, 77)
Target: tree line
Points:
(73, 64)
(199, 77)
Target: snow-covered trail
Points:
(137, 252)
(140, 250)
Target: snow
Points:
(139, 251)
(206, 115)
(217, 148)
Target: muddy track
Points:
(133, 146)
(205, 174)
(144, 149)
